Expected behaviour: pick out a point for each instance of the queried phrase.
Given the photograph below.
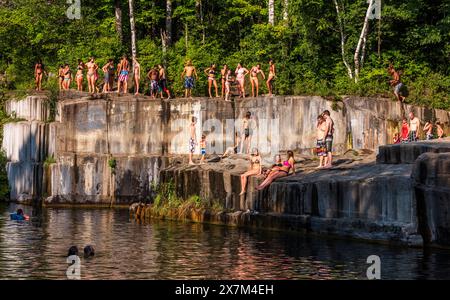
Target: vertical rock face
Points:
(32, 108)
(431, 176)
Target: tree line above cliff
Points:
(313, 42)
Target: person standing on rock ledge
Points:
(192, 139)
(328, 138)
(414, 127)
(188, 74)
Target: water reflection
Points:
(172, 250)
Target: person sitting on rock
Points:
(234, 149)
(428, 129)
(255, 169)
(283, 171)
(396, 139)
(275, 167)
(440, 131)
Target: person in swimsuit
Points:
(440, 131)
(284, 170)
(223, 74)
(91, 74)
(255, 169)
(405, 131)
(136, 75)
(234, 149)
(163, 81)
(203, 148)
(428, 129)
(79, 75)
(192, 139)
(246, 132)
(271, 77)
(255, 70)
(396, 139)
(153, 76)
(38, 73)
(241, 72)
(276, 166)
(112, 74)
(228, 82)
(414, 126)
(396, 83)
(61, 77)
(106, 72)
(329, 137)
(321, 148)
(123, 75)
(67, 77)
(211, 73)
(188, 74)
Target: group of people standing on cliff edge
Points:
(157, 78)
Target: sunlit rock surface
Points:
(110, 150)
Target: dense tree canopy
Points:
(305, 41)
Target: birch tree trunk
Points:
(272, 12)
(199, 14)
(362, 42)
(285, 11)
(168, 22)
(133, 30)
(343, 38)
(118, 16)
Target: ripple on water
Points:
(171, 250)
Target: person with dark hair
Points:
(211, 73)
(107, 73)
(428, 129)
(283, 171)
(329, 133)
(153, 76)
(271, 77)
(321, 148)
(440, 131)
(89, 251)
(92, 75)
(67, 77)
(61, 77)
(234, 149)
(79, 75)
(404, 131)
(188, 74)
(254, 71)
(396, 83)
(246, 133)
(255, 169)
(123, 70)
(223, 74)
(163, 81)
(38, 73)
(72, 251)
(192, 139)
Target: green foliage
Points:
(49, 160)
(415, 37)
(4, 187)
(112, 163)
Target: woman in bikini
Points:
(61, 77)
(255, 70)
(241, 72)
(228, 81)
(255, 169)
(136, 75)
(67, 77)
(211, 73)
(112, 74)
(91, 74)
(272, 74)
(283, 171)
(223, 74)
(275, 167)
(79, 75)
(38, 72)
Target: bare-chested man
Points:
(153, 76)
(188, 74)
(163, 81)
(91, 75)
(123, 75)
(254, 71)
(192, 139)
(414, 127)
(396, 83)
(328, 138)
